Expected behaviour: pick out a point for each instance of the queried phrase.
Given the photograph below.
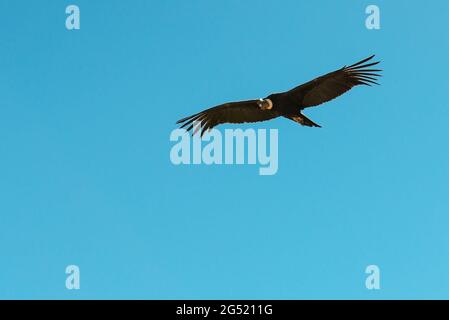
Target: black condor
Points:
(287, 104)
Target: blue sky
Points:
(86, 178)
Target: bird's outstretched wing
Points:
(334, 84)
(233, 112)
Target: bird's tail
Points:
(303, 120)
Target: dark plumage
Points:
(286, 104)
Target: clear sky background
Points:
(86, 178)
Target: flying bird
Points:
(287, 104)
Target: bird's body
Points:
(287, 104)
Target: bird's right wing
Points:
(334, 84)
(233, 112)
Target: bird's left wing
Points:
(232, 112)
(334, 84)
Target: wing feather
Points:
(334, 84)
(232, 112)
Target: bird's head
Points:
(265, 104)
